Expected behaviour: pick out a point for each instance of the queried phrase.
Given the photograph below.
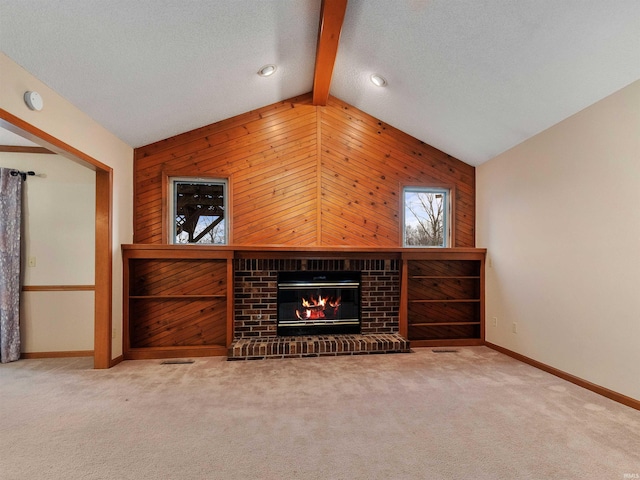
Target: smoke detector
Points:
(33, 101)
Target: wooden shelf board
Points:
(467, 300)
(470, 277)
(142, 250)
(174, 297)
(442, 324)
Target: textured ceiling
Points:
(13, 140)
(471, 77)
(150, 69)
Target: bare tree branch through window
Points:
(425, 217)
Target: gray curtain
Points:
(10, 228)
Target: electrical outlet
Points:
(31, 262)
(494, 321)
(514, 327)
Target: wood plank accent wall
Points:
(364, 165)
(302, 175)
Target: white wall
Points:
(58, 219)
(59, 234)
(64, 121)
(560, 217)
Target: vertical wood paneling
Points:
(304, 176)
(177, 277)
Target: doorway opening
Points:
(103, 229)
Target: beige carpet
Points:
(475, 414)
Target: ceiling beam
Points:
(22, 149)
(331, 19)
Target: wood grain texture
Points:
(451, 312)
(23, 149)
(445, 289)
(177, 302)
(314, 181)
(444, 332)
(103, 303)
(17, 125)
(445, 297)
(178, 322)
(331, 18)
(365, 163)
(270, 157)
(58, 288)
(178, 277)
(445, 268)
(302, 175)
(57, 354)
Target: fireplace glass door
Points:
(318, 303)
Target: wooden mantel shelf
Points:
(279, 251)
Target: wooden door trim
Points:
(103, 226)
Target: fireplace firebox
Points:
(318, 303)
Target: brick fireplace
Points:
(256, 308)
(256, 287)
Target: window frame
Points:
(169, 214)
(448, 214)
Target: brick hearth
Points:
(316, 346)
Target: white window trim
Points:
(448, 214)
(172, 213)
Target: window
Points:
(198, 211)
(427, 215)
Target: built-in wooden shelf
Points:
(443, 290)
(445, 276)
(441, 294)
(178, 301)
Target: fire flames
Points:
(318, 308)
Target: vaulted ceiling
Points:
(470, 77)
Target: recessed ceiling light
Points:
(267, 70)
(378, 80)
